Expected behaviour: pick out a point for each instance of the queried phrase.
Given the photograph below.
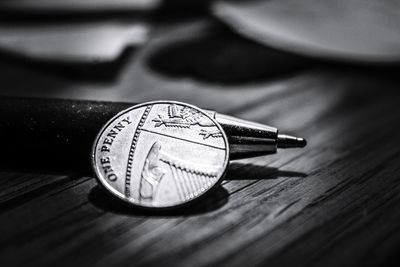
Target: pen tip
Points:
(288, 141)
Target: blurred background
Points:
(206, 52)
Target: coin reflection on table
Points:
(160, 154)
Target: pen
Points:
(42, 131)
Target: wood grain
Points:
(334, 203)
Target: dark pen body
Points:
(51, 132)
(39, 132)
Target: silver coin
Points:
(160, 154)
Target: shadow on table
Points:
(221, 56)
(215, 199)
(240, 171)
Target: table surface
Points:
(334, 203)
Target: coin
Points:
(160, 154)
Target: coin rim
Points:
(121, 196)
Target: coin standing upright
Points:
(160, 154)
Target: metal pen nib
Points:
(288, 141)
(251, 139)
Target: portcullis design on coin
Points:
(160, 154)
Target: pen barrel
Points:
(247, 147)
(51, 132)
(247, 139)
(37, 132)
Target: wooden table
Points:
(334, 203)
